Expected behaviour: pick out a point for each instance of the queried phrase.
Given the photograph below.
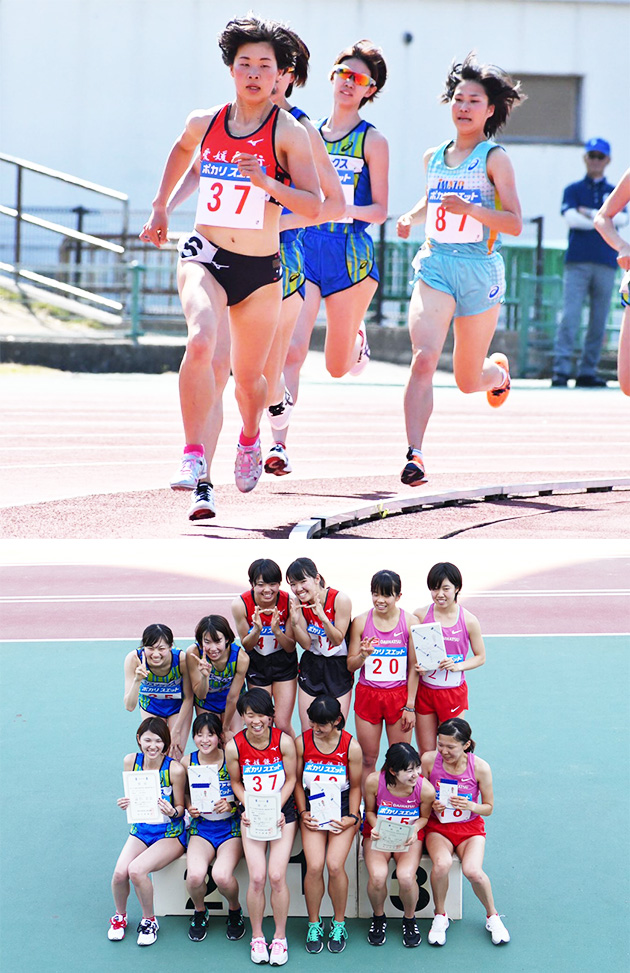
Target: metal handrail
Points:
(17, 213)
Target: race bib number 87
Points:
(226, 198)
(444, 227)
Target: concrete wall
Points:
(100, 88)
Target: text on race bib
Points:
(444, 227)
(386, 664)
(263, 778)
(346, 168)
(226, 198)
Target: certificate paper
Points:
(263, 811)
(392, 835)
(325, 804)
(428, 640)
(204, 785)
(142, 787)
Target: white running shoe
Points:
(497, 930)
(277, 461)
(437, 932)
(203, 506)
(364, 352)
(193, 466)
(259, 952)
(248, 466)
(280, 413)
(117, 926)
(147, 932)
(278, 953)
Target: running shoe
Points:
(277, 461)
(280, 413)
(315, 937)
(590, 382)
(497, 930)
(117, 926)
(559, 381)
(278, 952)
(413, 474)
(259, 952)
(437, 932)
(203, 506)
(235, 924)
(192, 468)
(198, 926)
(364, 352)
(147, 931)
(376, 935)
(497, 397)
(337, 937)
(410, 932)
(248, 466)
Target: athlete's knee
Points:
(424, 362)
(335, 868)
(137, 873)
(441, 866)
(256, 881)
(277, 878)
(120, 876)
(474, 873)
(406, 880)
(196, 877)
(221, 876)
(467, 383)
(369, 758)
(200, 346)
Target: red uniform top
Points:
(267, 642)
(219, 146)
(330, 766)
(262, 770)
(319, 640)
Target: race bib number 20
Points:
(226, 198)
(444, 227)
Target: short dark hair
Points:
(153, 633)
(400, 756)
(300, 63)
(211, 720)
(372, 56)
(257, 700)
(460, 729)
(303, 568)
(326, 709)
(265, 568)
(252, 30)
(155, 724)
(501, 89)
(442, 570)
(386, 583)
(214, 625)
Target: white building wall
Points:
(100, 88)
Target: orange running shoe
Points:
(497, 397)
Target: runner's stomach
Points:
(253, 243)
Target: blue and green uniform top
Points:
(220, 681)
(172, 827)
(162, 695)
(347, 155)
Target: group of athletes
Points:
(247, 735)
(281, 222)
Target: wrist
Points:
(409, 708)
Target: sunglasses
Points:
(363, 80)
(596, 155)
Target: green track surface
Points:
(550, 714)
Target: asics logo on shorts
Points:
(293, 277)
(493, 291)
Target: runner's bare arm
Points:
(156, 227)
(185, 188)
(333, 204)
(294, 154)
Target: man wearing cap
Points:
(589, 272)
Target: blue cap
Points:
(598, 145)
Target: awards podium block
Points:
(424, 908)
(172, 899)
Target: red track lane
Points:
(90, 455)
(573, 593)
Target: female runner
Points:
(261, 760)
(443, 692)
(157, 679)
(327, 752)
(250, 153)
(470, 199)
(339, 256)
(604, 222)
(218, 666)
(261, 616)
(382, 649)
(320, 617)
(457, 824)
(213, 837)
(401, 793)
(149, 847)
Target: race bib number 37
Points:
(446, 227)
(226, 198)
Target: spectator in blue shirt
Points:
(589, 272)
